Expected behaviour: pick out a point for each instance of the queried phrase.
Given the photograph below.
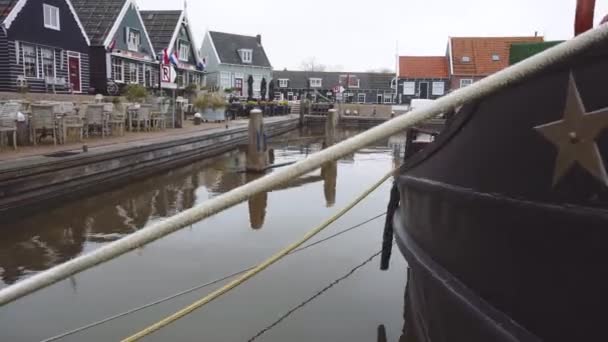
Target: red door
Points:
(238, 85)
(74, 68)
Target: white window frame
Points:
(246, 55)
(115, 63)
(466, 59)
(225, 80)
(387, 98)
(183, 50)
(438, 88)
(495, 57)
(316, 82)
(464, 82)
(51, 17)
(131, 65)
(43, 59)
(283, 82)
(409, 88)
(23, 59)
(133, 45)
(359, 98)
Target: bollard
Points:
(257, 151)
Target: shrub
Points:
(135, 93)
(210, 101)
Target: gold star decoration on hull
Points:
(575, 137)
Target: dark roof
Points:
(367, 80)
(98, 17)
(5, 8)
(227, 46)
(161, 26)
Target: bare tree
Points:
(382, 70)
(312, 64)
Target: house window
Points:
(409, 88)
(118, 70)
(438, 88)
(184, 51)
(361, 98)
(495, 57)
(350, 81)
(315, 83)
(466, 59)
(29, 61)
(48, 62)
(388, 98)
(283, 83)
(133, 73)
(133, 39)
(246, 55)
(465, 82)
(51, 17)
(225, 81)
(290, 96)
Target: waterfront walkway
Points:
(28, 155)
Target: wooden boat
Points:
(503, 219)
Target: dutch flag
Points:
(174, 59)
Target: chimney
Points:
(259, 39)
(535, 33)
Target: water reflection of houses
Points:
(59, 234)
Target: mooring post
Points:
(330, 127)
(257, 150)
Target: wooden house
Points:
(43, 47)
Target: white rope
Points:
(158, 230)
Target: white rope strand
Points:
(158, 230)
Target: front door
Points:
(238, 85)
(424, 90)
(74, 68)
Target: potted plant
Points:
(212, 107)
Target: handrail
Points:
(474, 92)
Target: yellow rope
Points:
(219, 292)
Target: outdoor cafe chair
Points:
(43, 120)
(8, 122)
(95, 118)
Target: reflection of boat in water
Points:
(504, 218)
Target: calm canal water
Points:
(238, 238)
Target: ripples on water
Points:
(237, 238)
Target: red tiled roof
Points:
(481, 51)
(423, 67)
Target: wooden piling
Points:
(257, 150)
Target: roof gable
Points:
(228, 45)
(99, 17)
(161, 26)
(10, 9)
(423, 67)
(483, 56)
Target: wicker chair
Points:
(45, 121)
(95, 118)
(8, 122)
(143, 118)
(158, 118)
(116, 121)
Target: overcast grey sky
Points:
(362, 35)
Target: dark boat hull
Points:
(499, 247)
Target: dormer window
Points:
(184, 50)
(283, 83)
(246, 55)
(133, 39)
(316, 83)
(466, 59)
(51, 17)
(495, 57)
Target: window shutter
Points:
(126, 35)
(17, 52)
